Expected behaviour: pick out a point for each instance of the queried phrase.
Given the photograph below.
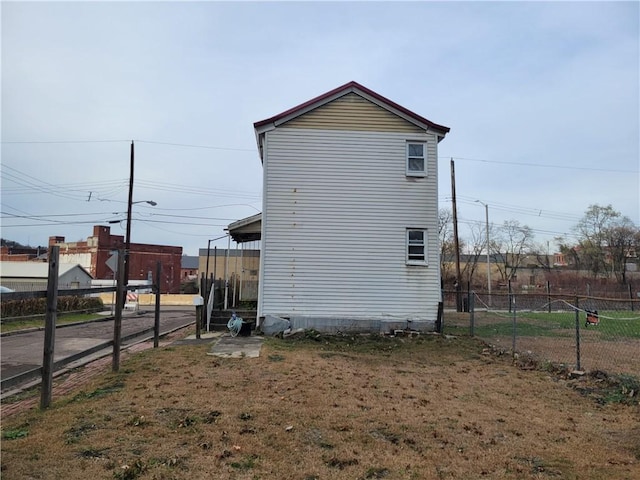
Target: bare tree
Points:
(592, 234)
(447, 245)
(621, 238)
(510, 245)
(474, 248)
(543, 258)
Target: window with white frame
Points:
(416, 246)
(416, 159)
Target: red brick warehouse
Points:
(93, 253)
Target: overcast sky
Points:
(542, 100)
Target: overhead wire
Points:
(539, 165)
(101, 191)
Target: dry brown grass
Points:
(355, 408)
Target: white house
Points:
(31, 276)
(350, 214)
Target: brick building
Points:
(93, 254)
(22, 254)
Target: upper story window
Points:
(416, 159)
(416, 247)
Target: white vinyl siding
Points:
(336, 209)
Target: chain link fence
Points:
(581, 332)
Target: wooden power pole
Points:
(455, 237)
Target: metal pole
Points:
(226, 275)
(207, 267)
(235, 279)
(156, 325)
(513, 340)
(486, 209)
(486, 216)
(577, 336)
(215, 265)
(472, 314)
(205, 293)
(203, 283)
(242, 272)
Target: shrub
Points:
(26, 307)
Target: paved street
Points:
(23, 352)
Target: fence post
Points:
(548, 296)
(50, 328)
(513, 307)
(439, 320)
(630, 295)
(472, 311)
(201, 320)
(200, 311)
(156, 323)
(577, 335)
(117, 321)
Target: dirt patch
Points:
(331, 408)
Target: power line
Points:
(540, 165)
(209, 147)
(173, 144)
(60, 141)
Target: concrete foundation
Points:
(358, 325)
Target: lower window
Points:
(416, 246)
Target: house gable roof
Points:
(350, 87)
(36, 269)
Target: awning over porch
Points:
(246, 230)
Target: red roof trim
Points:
(351, 86)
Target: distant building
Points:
(239, 266)
(189, 268)
(93, 254)
(33, 276)
(22, 254)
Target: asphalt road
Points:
(22, 352)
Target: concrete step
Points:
(220, 318)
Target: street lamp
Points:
(205, 293)
(127, 238)
(486, 210)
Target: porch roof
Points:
(247, 229)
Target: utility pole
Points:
(486, 212)
(455, 236)
(127, 238)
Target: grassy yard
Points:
(613, 324)
(361, 407)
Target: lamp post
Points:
(208, 251)
(127, 238)
(206, 294)
(486, 211)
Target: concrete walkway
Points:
(225, 346)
